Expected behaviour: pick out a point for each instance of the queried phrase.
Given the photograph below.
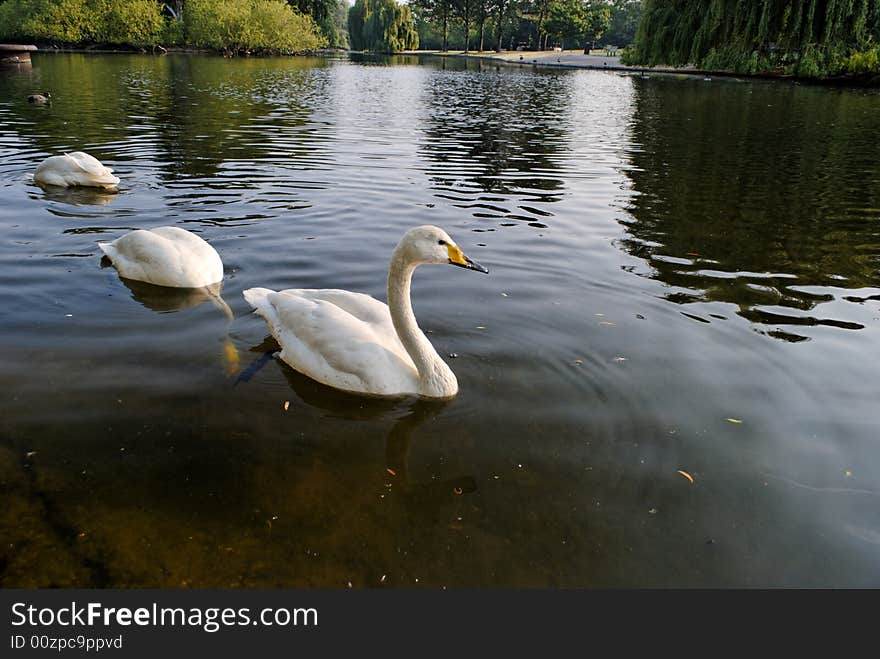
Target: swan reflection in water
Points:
(410, 414)
(78, 196)
(165, 299)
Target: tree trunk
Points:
(445, 28)
(541, 36)
(467, 25)
(482, 25)
(501, 7)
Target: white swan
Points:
(174, 258)
(165, 256)
(75, 168)
(352, 341)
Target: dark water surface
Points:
(685, 275)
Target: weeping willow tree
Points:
(812, 38)
(382, 26)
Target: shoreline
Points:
(571, 59)
(576, 59)
(567, 59)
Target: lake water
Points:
(685, 275)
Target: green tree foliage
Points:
(436, 18)
(464, 11)
(231, 25)
(249, 26)
(575, 21)
(134, 22)
(323, 12)
(340, 21)
(813, 38)
(625, 16)
(382, 26)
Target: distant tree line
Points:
(812, 38)
(527, 24)
(227, 25)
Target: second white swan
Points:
(353, 342)
(165, 256)
(75, 169)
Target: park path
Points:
(567, 59)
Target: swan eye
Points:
(441, 242)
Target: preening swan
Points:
(173, 258)
(165, 256)
(352, 341)
(75, 168)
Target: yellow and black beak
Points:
(457, 258)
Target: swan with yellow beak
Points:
(352, 341)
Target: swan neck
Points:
(435, 377)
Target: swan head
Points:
(430, 244)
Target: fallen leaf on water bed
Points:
(457, 490)
(286, 405)
(686, 475)
(734, 420)
(391, 471)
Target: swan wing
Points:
(342, 339)
(364, 307)
(166, 256)
(88, 164)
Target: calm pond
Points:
(685, 275)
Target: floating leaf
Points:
(734, 420)
(686, 475)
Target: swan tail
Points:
(108, 249)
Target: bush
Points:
(135, 22)
(172, 32)
(231, 25)
(65, 21)
(249, 25)
(864, 62)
